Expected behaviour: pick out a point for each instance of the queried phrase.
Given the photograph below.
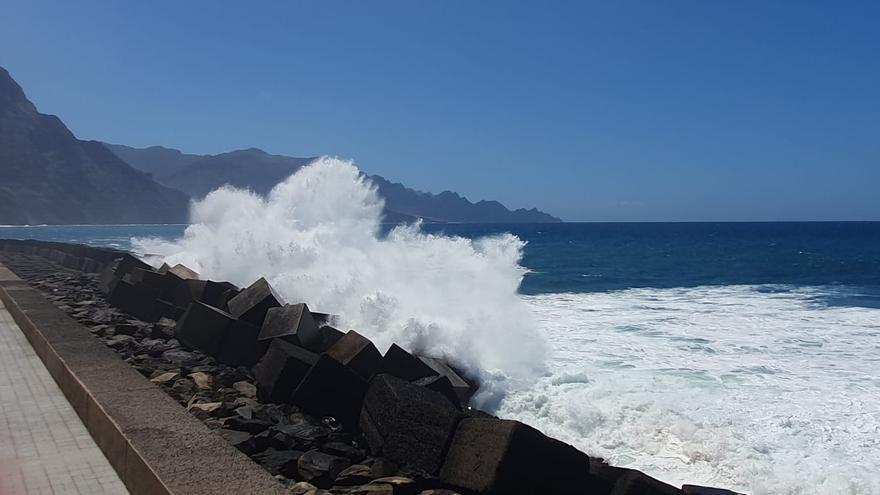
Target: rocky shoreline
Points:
(322, 410)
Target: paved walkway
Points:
(44, 447)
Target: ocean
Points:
(744, 355)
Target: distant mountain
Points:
(259, 171)
(48, 176)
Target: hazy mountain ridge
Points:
(49, 176)
(259, 171)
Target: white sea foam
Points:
(316, 238)
(768, 392)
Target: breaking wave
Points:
(317, 238)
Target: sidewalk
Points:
(44, 447)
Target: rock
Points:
(705, 490)
(252, 303)
(303, 488)
(165, 378)
(319, 468)
(279, 461)
(293, 323)
(442, 386)
(331, 389)
(463, 389)
(341, 449)
(400, 485)
(240, 347)
(203, 381)
(438, 491)
(281, 370)
(203, 328)
(179, 357)
(304, 435)
(246, 389)
(357, 353)
(357, 474)
(252, 426)
(406, 423)
(202, 410)
(371, 489)
(402, 364)
(184, 388)
(493, 456)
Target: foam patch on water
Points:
(317, 238)
(743, 387)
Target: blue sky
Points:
(611, 111)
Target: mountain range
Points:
(52, 177)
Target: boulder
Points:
(136, 300)
(331, 389)
(252, 303)
(240, 347)
(279, 461)
(320, 469)
(493, 456)
(293, 323)
(281, 369)
(400, 363)
(407, 424)
(358, 353)
(463, 389)
(203, 328)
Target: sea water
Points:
(745, 355)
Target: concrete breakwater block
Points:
(293, 323)
(442, 386)
(329, 336)
(136, 300)
(203, 328)
(240, 346)
(357, 353)
(494, 456)
(463, 389)
(331, 389)
(120, 267)
(705, 490)
(252, 303)
(400, 363)
(407, 424)
(281, 369)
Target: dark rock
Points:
(121, 266)
(402, 364)
(357, 353)
(180, 357)
(304, 435)
(280, 461)
(203, 327)
(341, 449)
(281, 369)
(406, 423)
(331, 389)
(356, 474)
(252, 303)
(705, 490)
(252, 426)
(636, 483)
(293, 323)
(240, 347)
(320, 469)
(492, 456)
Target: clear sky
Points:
(594, 111)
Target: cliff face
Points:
(259, 171)
(49, 176)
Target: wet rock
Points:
(331, 389)
(293, 323)
(252, 303)
(357, 353)
(319, 468)
(493, 456)
(281, 370)
(406, 423)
